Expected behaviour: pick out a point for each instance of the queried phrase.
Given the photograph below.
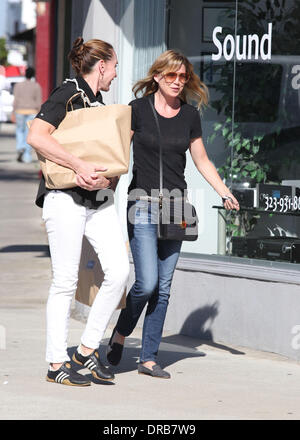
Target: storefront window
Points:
(248, 54)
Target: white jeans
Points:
(66, 223)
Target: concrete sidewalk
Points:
(209, 380)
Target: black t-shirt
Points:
(53, 111)
(176, 132)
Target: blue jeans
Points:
(154, 262)
(21, 134)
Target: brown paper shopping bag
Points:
(100, 135)
(90, 276)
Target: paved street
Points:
(209, 380)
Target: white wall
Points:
(125, 52)
(28, 16)
(113, 22)
(100, 24)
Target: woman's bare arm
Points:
(209, 172)
(39, 137)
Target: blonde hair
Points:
(170, 61)
(83, 56)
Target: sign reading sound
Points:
(243, 46)
(248, 47)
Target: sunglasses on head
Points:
(172, 76)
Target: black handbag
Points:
(177, 218)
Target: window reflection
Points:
(253, 123)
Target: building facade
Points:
(239, 283)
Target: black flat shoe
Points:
(156, 371)
(67, 376)
(93, 363)
(114, 351)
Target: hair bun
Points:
(83, 56)
(77, 43)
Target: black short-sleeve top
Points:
(176, 133)
(53, 111)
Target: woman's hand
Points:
(87, 176)
(209, 172)
(98, 183)
(230, 202)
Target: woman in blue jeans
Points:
(169, 83)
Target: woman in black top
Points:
(70, 213)
(170, 81)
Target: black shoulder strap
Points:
(160, 147)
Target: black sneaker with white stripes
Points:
(67, 376)
(93, 363)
